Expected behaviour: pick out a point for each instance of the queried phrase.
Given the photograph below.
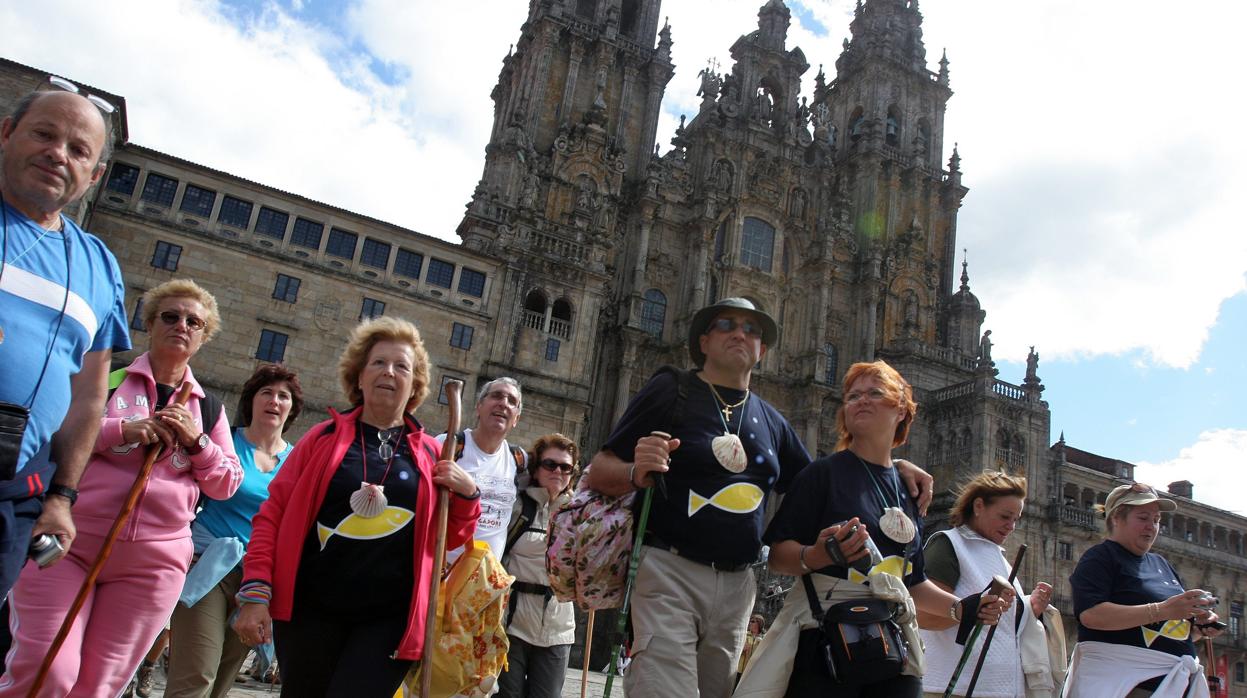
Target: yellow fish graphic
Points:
(739, 498)
(357, 527)
(893, 565)
(1172, 629)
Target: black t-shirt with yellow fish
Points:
(1109, 572)
(359, 567)
(711, 514)
(837, 488)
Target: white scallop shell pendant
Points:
(369, 500)
(730, 452)
(897, 525)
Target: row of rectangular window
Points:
(236, 213)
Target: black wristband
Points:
(475, 495)
(63, 491)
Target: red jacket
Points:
(295, 497)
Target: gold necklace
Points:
(727, 409)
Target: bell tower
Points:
(575, 115)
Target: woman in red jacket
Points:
(339, 564)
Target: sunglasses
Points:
(550, 464)
(67, 86)
(727, 324)
(170, 318)
(1144, 489)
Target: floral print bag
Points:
(588, 547)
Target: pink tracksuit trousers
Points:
(132, 600)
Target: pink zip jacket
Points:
(167, 505)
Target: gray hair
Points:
(28, 100)
(505, 380)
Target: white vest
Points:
(979, 560)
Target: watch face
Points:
(203, 441)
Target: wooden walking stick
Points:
(978, 668)
(453, 389)
(965, 653)
(153, 454)
(584, 669)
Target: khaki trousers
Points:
(688, 627)
(205, 654)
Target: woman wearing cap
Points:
(856, 496)
(1136, 624)
(540, 627)
(963, 560)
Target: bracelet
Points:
(474, 495)
(801, 558)
(1153, 612)
(632, 477)
(254, 592)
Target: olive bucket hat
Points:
(701, 323)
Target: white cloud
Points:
(1097, 142)
(1216, 464)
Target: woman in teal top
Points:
(204, 653)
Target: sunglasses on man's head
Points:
(727, 324)
(67, 86)
(551, 464)
(171, 318)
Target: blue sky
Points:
(1097, 140)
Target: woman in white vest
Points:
(1137, 627)
(963, 560)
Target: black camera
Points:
(861, 564)
(13, 419)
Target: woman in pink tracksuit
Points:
(139, 584)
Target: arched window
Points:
(829, 363)
(857, 123)
(654, 312)
(892, 133)
(534, 315)
(757, 244)
(586, 8)
(561, 318)
(631, 10)
(535, 301)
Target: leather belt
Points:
(654, 541)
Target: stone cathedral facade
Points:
(586, 247)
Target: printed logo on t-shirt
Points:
(497, 498)
(390, 521)
(1173, 629)
(737, 498)
(894, 565)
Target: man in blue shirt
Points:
(62, 314)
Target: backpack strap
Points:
(683, 385)
(528, 511)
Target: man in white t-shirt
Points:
(491, 461)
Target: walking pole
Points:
(1211, 669)
(132, 498)
(622, 624)
(965, 653)
(584, 669)
(453, 391)
(978, 668)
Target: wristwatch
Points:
(200, 444)
(63, 491)
(952, 610)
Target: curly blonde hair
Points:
(900, 393)
(182, 288)
(363, 338)
(989, 486)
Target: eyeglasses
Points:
(552, 465)
(170, 318)
(67, 86)
(874, 395)
(727, 324)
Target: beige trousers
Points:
(205, 654)
(688, 627)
